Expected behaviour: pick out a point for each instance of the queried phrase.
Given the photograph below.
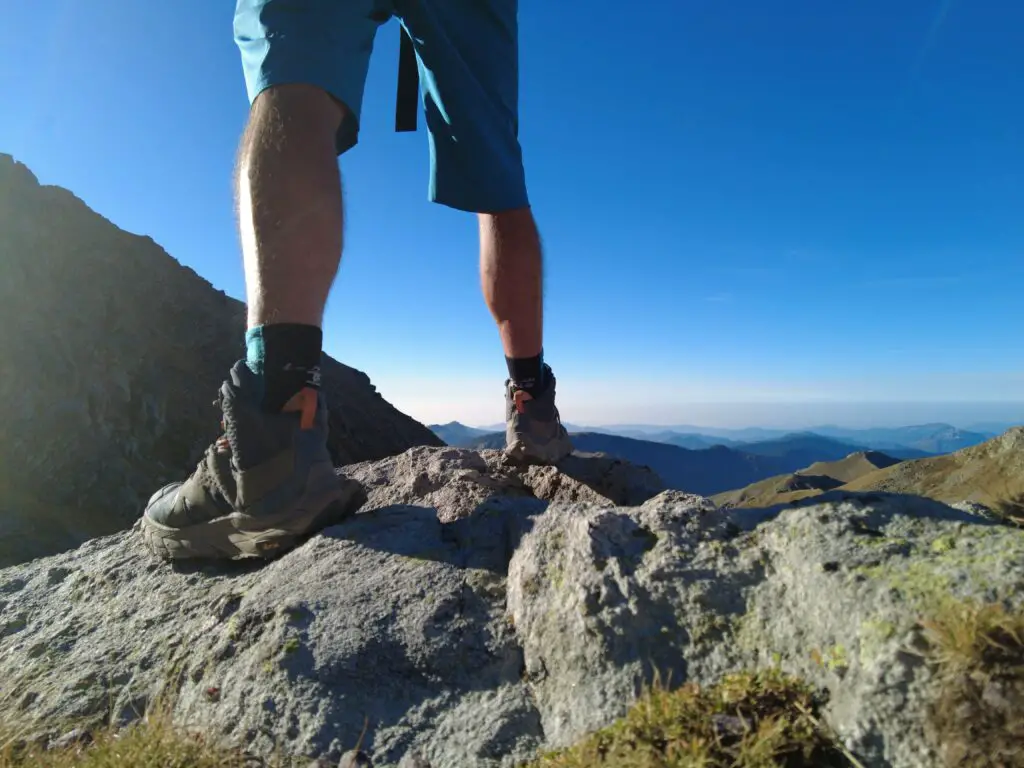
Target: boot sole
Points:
(552, 453)
(241, 535)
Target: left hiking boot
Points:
(260, 487)
(533, 429)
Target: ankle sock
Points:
(287, 357)
(527, 373)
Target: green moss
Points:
(291, 645)
(883, 542)
(833, 659)
(874, 633)
(918, 581)
(531, 585)
(709, 627)
(943, 544)
(748, 632)
(837, 659)
(717, 546)
(749, 720)
(925, 581)
(295, 614)
(557, 577)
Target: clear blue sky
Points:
(740, 202)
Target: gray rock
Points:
(456, 481)
(110, 371)
(975, 508)
(355, 759)
(413, 760)
(521, 624)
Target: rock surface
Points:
(455, 481)
(112, 355)
(474, 612)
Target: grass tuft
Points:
(749, 720)
(149, 743)
(978, 652)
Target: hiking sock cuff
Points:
(527, 373)
(287, 356)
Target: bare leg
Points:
(511, 276)
(289, 204)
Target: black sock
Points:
(527, 373)
(287, 356)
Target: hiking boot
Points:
(260, 486)
(533, 428)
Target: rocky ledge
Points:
(473, 613)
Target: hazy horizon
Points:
(792, 416)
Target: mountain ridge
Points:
(989, 475)
(820, 477)
(113, 353)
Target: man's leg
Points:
(468, 56)
(289, 204)
(511, 275)
(511, 278)
(290, 225)
(269, 479)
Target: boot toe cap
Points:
(162, 505)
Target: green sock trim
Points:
(255, 350)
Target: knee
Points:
(517, 221)
(305, 112)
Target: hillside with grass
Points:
(818, 478)
(990, 474)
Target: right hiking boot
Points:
(260, 487)
(533, 429)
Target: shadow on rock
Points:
(485, 539)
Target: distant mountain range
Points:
(911, 442)
(930, 438)
(704, 470)
(905, 436)
(458, 434)
(709, 464)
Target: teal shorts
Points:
(467, 56)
